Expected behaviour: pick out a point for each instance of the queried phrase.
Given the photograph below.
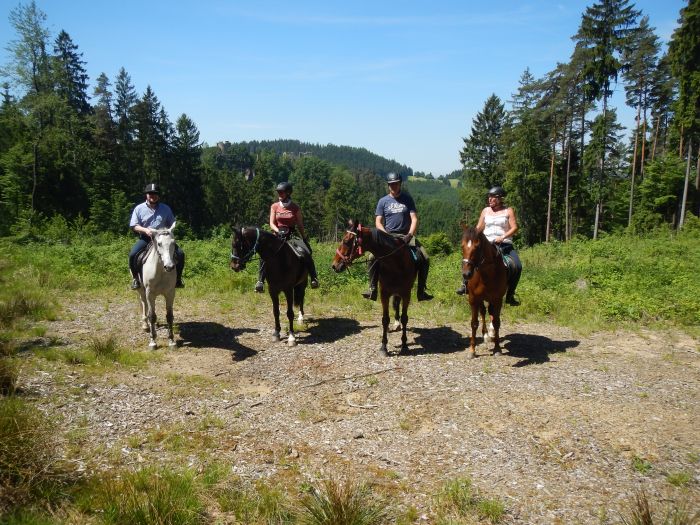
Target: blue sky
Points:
(403, 79)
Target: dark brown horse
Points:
(286, 272)
(487, 281)
(397, 271)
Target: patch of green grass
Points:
(679, 478)
(458, 500)
(149, 496)
(640, 511)
(253, 503)
(641, 465)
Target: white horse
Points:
(159, 278)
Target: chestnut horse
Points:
(397, 271)
(487, 281)
(286, 272)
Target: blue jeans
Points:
(141, 244)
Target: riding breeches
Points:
(141, 245)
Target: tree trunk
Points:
(685, 185)
(634, 167)
(656, 136)
(551, 182)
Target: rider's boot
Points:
(462, 290)
(422, 281)
(135, 284)
(260, 285)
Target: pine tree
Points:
(70, 75)
(483, 151)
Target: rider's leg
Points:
(515, 278)
(423, 268)
(179, 266)
(373, 271)
(260, 285)
(462, 290)
(312, 270)
(137, 248)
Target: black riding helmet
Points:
(152, 188)
(393, 177)
(497, 191)
(285, 187)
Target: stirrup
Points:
(314, 283)
(179, 284)
(462, 290)
(260, 287)
(135, 284)
(370, 294)
(424, 296)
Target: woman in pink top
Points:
(286, 217)
(499, 224)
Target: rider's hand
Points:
(407, 238)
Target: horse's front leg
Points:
(289, 295)
(495, 311)
(276, 313)
(169, 300)
(151, 298)
(475, 307)
(144, 310)
(486, 328)
(385, 324)
(397, 322)
(404, 323)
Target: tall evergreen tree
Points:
(483, 151)
(70, 75)
(185, 184)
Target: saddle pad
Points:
(298, 247)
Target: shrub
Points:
(438, 243)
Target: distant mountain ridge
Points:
(355, 159)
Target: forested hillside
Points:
(76, 153)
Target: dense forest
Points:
(78, 155)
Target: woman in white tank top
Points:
(499, 224)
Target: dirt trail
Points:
(552, 427)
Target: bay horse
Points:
(397, 271)
(158, 278)
(286, 272)
(487, 281)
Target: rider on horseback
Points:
(147, 217)
(285, 219)
(498, 223)
(396, 214)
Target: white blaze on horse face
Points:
(469, 244)
(166, 248)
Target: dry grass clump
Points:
(459, 502)
(641, 512)
(341, 503)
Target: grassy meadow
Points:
(615, 282)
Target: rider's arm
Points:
(512, 222)
(414, 225)
(300, 224)
(482, 223)
(140, 229)
(273, 219)
(379, 222)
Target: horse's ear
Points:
(351, 224)
(172, 227)
(463, 224)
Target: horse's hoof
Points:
(145, 327)
(172, 343)
(383, 352)
(496, 353)
(276, 337)
(152, 344)
(404, 349)
(397, 326)
(471, 355)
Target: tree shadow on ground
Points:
(535, 349)
(330, 330)
(441, 340)
(215, 335)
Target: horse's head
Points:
(244, 242)
(164, 242)
(349, 248)
(472, 250)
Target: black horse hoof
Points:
(383, 352)
(496, 353)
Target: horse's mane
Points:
(383, 239)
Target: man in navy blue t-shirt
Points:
(396, 214)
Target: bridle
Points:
(471, 262)
(248, 256)
(156, 246)
(355, 247)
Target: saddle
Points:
(143, 254)
(508, 261)
(298, 247)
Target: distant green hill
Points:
(355, 159)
